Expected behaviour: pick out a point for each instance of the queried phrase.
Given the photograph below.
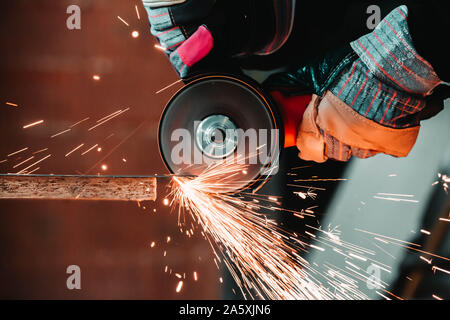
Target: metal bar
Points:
(73, 187)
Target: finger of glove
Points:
(340, 151)
(194, 49)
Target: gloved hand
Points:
(204, 35)
(179, 27)
(367, 98)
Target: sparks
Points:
(135, 34)
(110, 136)
(168, 86)
(77, 123)
(40, 150)
(35, 163)
(256, 250)
(24, 161)
(73, 150)
(319, 180)
(434, 268)
(16, 152)
(137, 12)
(59, 133)
(90, 149)
(301, 194)
(108, 118)
(179, 287)
(429, 261)
(317, 248)
(157, 46)
(444, 180)
(33, 171)
(396, 195)
(33, 124)
(396, 199)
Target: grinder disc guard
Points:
(219, 117)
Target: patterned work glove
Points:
(367, 98)
(177, 25)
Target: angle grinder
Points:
(218, 116)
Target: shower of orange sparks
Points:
(260, 255)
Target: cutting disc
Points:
(221, 118)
